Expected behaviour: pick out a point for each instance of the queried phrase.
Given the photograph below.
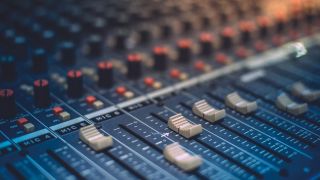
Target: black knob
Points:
(7, 103)
(94, 46)
(206, 44)
(8, 68)
(120, 40)
(184, 50)
(20, 48)
(100, 26)
(263, 23)
(68, 53)
(75, 83)
(134, 66)
(280, 24)
(105, 73)
(41, 93)
(144, 35)
(160, 57)
(39, 61)
(74, 33)
(205, 21)
(246, 28)
(227, 36)
(186, 25)
(48, 40)
(166, 30)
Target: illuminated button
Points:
(121, 90)
(128, 94)
(90, 99)
(175, 73)
(221, 58)
(178, 156)
(183, 76)
(181, 125)
(94, 138)
(242, 52)
(260, 46)
(300, 90)
(64, 116)
(207, 112)
(234, 101)
(157, 85)
(57, 110)
(277, 40)
(22, 121)
(28, 127)
(148, 81)
(98, 104)
(286, 104)
(199, 65)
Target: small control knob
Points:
(206, 44)
(166, 30)
(134, 66)
(227, 38)
(120, 40)
(39, 61)
(184, 50)
(186, 25)
(41, 93)
(160, 57)
(105, 73)
(94, 46)
(68, 53)
(246, 28)
(75, 83)
(280, 23)
(145, 34)
(8, 68)
(7, 103)
(20, 48)
(263, 23)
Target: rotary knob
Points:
(39, 61)
(7, 103)
(134, 66)
(75, 83)
(105, 73)
(8, 68)
(160, 57)
(206, 44)
(41, 93)
(184, 50)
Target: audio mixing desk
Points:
(148, 89)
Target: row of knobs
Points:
(68, 57)
(75, 83)
(94, 46)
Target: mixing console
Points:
(171, 89)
